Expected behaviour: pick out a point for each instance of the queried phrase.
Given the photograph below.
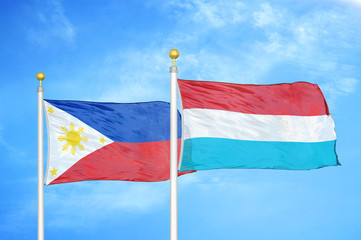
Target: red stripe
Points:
(300, 98)
(141, 162)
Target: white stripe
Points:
(256, 127)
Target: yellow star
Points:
(50, 109)
(102, 140)
(53, 172)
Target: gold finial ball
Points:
(173, 53)
(40, 76)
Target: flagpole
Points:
(40, 76)
(173, 148)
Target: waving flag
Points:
(282, 126)
(107, 141)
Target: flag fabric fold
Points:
(281, 126)
(108, 141)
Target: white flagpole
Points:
(173, 148)
(40, 76)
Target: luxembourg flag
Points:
(281, 126)
(107, 141)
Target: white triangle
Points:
(58, 123)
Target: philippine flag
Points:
(107, 141)
(281, 126)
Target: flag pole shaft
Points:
(40, 91)
(173, 155)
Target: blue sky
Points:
(118, 51)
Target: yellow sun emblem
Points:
(72, 138)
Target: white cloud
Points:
(215, 14)
(305, 41)
(13, 151)
(87, 203)
(353, 2)
(53, 23)
(207, 65)
(19, 219)
(215, 186)
(268, 16)
(308, 42)
(347, 85)
(338, 87)
(135, 76)
(188, 180)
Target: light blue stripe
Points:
(215, 153)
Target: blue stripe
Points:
(123, 122)
(215, 153)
